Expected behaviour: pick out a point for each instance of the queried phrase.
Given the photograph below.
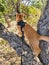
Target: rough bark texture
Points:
(43, 24)
(43, 29)
(25, 51)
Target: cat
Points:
(32, 36)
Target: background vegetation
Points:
(31, 8)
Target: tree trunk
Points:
(43, 29)
(21, 48)
(43, 24)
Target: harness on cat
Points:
(22, 24)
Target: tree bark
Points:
(43, 29)
(21, 48)
(43, 24)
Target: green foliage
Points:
(4, 46)
(9, 7)
(6, 7)
(24, 9)
(34, 15)
(2, 5)
(2, 19)
(2, 42)
(1, 8)
(37, 4)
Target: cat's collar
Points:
(21, 23)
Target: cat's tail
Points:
(46, 38)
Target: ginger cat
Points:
(31, 35)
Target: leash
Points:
(22, 42)
(22, 24)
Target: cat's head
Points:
(19, 17)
